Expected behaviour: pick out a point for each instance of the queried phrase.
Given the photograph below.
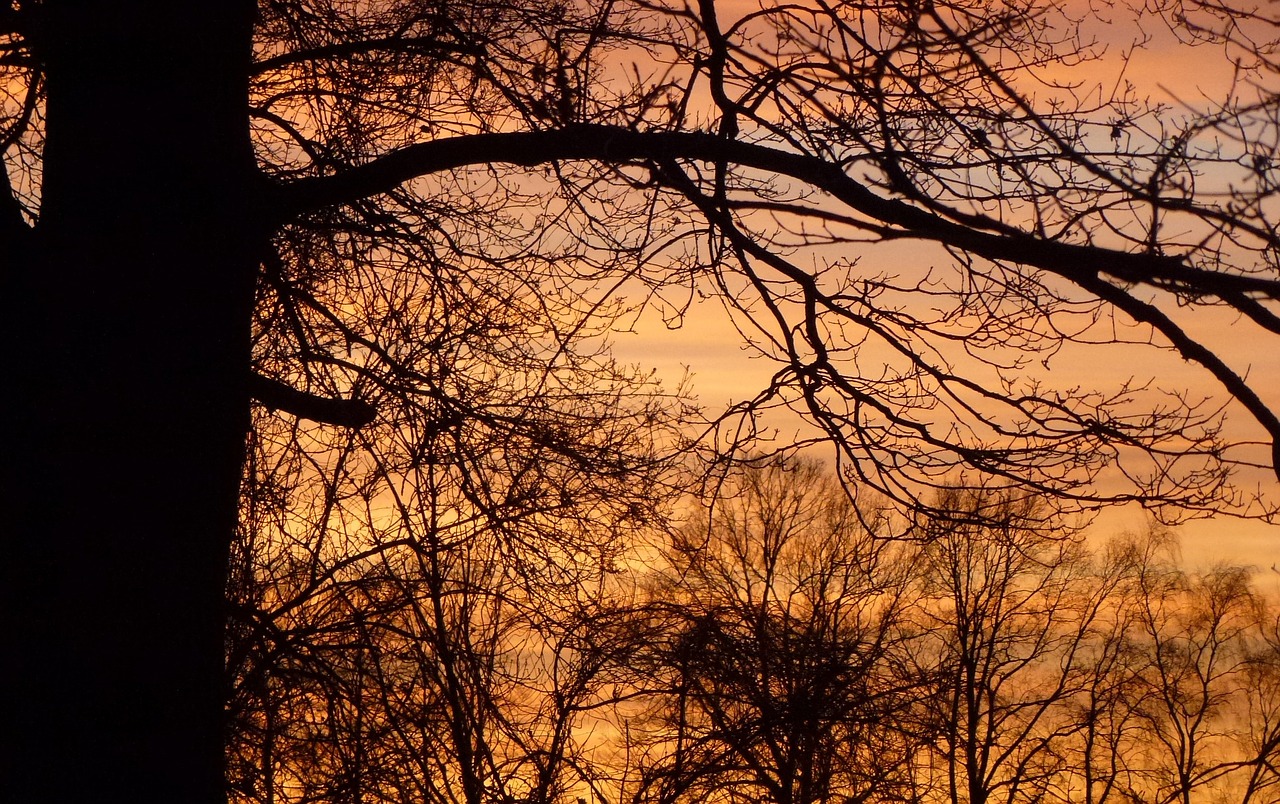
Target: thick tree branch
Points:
(976, 234)
(1085, 265)
(1194, 351)
(353, 413)
(422, 44)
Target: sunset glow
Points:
(642, 401)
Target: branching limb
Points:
(1086, 266)
(976, 234)
(434, 45)
(352, 413)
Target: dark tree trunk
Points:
(130, 347)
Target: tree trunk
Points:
(130, 350)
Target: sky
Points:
(722, 371)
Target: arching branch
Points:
(1084, 265)
(976, 234)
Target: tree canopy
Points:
(759, 152)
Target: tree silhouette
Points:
(1208, 709)
(423, 608)
(787, 672)
(192, 191)
(796, 654)
(1011, 598)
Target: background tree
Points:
(1207, 727)
(1100, 763)
(1064, 688)
(785, 675)
(991, 662)
(169, 168)
(1260, 736)
(1011, 604)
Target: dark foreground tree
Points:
(187, 183)
(130, 307)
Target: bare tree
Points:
(180, 178)
(785, 675)
(421, 603)
(1100, 763)
(1012, 603)
(1260, 735)
(1209, 706)
(1024, 667)
(422, 607)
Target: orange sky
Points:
(722, 372)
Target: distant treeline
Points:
(460, 638)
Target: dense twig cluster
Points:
(779, 646)
(756, 155)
